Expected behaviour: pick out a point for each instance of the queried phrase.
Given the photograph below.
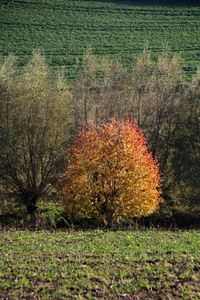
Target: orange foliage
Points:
(111, 173)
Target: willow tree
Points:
(111, 173)
(33, 117)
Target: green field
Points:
(63, 29)
(100, 265)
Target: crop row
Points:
(64, 29)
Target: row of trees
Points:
(40, 113)
(164, 105)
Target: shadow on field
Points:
(172, 3)
(178, 220)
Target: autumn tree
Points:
(111, 173)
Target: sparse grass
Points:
(100, 265)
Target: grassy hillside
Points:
(63, 29)
(100, 265)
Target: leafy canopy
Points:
(111, 173)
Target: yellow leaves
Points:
(112, 172)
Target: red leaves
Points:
(111, 172)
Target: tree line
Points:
(40, 114)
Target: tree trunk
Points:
(109, 219)
(30, 203)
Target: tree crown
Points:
(111, 172)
